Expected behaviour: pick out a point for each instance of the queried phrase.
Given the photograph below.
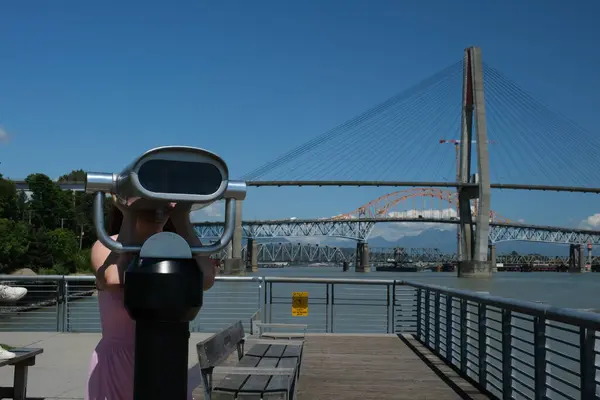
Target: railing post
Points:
(270, 302)
(449, 327)
(60, 304)
(66, 305)
(390, 305)
(419, 313)
(539, 352)
(463, 336)
(327, 308)
(427, 319)
(506, 354)
(389, 318)
(331, 316)
(260, 298)
(436, 323)
(587, 339)
(482, 339)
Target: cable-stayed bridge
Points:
(503, 138)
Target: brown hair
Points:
(115, 220)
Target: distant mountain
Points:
(445, 240)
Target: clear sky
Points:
(92, 84)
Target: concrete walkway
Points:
(61, 371)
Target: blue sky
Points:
(91, 85)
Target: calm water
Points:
(557, 288)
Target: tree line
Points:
(50, 230)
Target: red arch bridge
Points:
(423, 205)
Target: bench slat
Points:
(234, 382)
(258, 350)
(275, 351)
(292, 351)
(282, 383)
(257, 383)
(237, 370)
(216, 395)
(286, 342)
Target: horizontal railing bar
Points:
(348, 281)
(584, 319)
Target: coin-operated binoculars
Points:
(163, 287)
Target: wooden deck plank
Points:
(377, 367)
(367, 367)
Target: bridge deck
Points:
(374, 367)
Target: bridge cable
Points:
(339, 130)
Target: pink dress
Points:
(111, 369)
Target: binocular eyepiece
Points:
(166, 175)
(163, 287)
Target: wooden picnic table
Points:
(25, 358)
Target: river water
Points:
(557, 288)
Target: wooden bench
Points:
(24, 359)
(269, 369)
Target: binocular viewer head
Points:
(179, 174)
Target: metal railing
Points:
(509, 348)
(512, 349)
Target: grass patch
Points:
(7, 347)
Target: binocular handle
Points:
(119, 247)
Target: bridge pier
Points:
(492, 257)
(233, 260)
(362, 257)
(576, 258)
(252, 255)
(474, 261)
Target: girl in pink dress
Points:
(111, 369)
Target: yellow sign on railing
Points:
(300, 304)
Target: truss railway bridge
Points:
(303, 254)
(416, 205)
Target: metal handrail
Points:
(570, 316)
(587, 319)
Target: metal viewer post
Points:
(163, 288)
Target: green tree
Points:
(77, 175)
(9, 199)
(14, 245)
(22, 206)
(50, 230)
(49, 205)
(83, 217)
(63, 248)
